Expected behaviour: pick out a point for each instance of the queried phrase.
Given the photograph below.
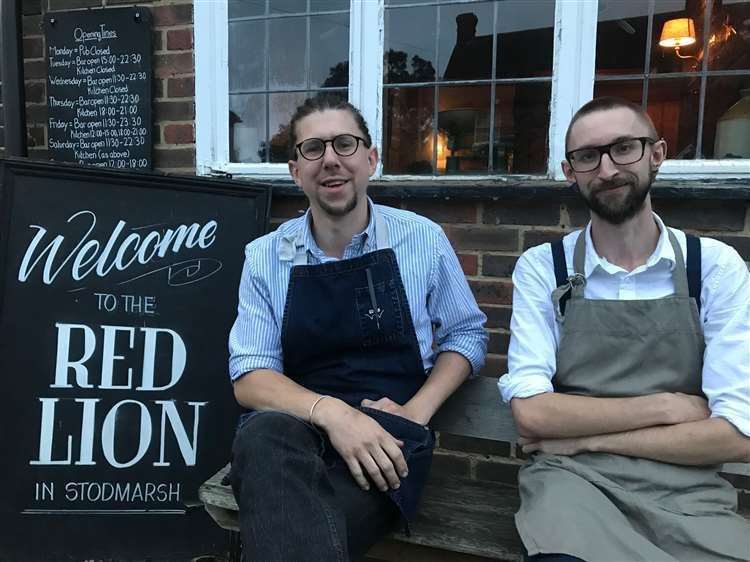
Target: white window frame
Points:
(572, 85)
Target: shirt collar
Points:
(365, 240)
(663, 251)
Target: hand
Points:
(567, 447)
(364, 445)
(683, 408)
(387, 405)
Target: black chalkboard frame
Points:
(169, 537)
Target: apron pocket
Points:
(376, 313)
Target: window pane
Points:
(669, 59)
(408, 131)
(465, 44)
(726, 121)
(522, 127)
(247, 73)
(631, 90)
(410, 45)
(673, 106)
(730, 30)
(244, 8)
(621, 37)
(463, 129)
(525, 35)
(281, 108)
(329, 53)
(328, 5)
(247, 127)
(287, 53)
(288, 6)
(402, 2)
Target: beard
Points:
(618, 209)
(332, 211)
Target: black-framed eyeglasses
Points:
(343, 145)
(623, 152)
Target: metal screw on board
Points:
(137, 17)
(52, 21)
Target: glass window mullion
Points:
(704, 69)
(647, 60)
(436, 92)
(491, 133)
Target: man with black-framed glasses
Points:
(355, 323)
(628, 367)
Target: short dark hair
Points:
(610, 102)
(322, 102)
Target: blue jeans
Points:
(297, 498)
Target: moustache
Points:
(615, 183)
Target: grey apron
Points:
(612, 508)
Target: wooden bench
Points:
(456, 514)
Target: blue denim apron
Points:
(348, 332)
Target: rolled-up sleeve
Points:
(533, 339)
(726, 360)
(458, 321)
(255, 338)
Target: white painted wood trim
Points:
(572, 71)
(263, 169)
(366, 36)
(211, 31)
(705, 169)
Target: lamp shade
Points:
(677, 33)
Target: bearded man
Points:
(628, 369)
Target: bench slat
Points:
(476, 410)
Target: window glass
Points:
(726, 121)
(329, 64)
(672, 56)
(729, 40)
(408, 126)
(288, 39)
(245, 8)
(465, 44)
(410, 45)
(281, 52)
(525, 33)
(494, 63)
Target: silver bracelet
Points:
(312, 408)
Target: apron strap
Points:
(694, 268)
(568, 286)
(679, 273)
(293, 247)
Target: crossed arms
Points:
(668, 427)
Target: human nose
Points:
(607, 168)
(329, 158)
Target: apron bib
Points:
(348, 332)
(612, 508)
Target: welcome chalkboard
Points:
(118, 293)
(99, 87)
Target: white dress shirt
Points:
(724, 315)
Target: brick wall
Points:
(173, 133)
(488, 237)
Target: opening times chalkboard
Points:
(99, 87)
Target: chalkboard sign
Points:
(99, 87)
(118, 292)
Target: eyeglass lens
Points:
(622, 153)
(343, 145)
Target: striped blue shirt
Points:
(442, 306)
